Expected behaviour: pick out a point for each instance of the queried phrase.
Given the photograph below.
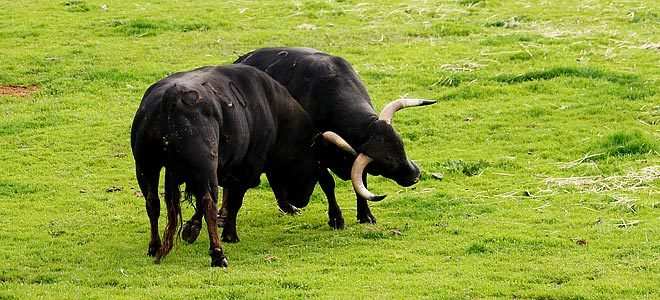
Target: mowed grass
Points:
(530, 93)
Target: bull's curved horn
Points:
(338, 141)
(357, 170)
(388, 112)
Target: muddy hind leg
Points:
(192, 227)
(148, 181)
(209, 200)
(173, 203)
(223, 213)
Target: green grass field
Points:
(546, 136)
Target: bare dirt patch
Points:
(17, 90)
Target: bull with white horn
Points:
(332, 94)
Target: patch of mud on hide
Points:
(17, 90)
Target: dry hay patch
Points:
(650, 46)
(17, 90)
(634, 180)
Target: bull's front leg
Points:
(363, 212)
(286, 207)
(335, 218)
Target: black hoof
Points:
(218, 258)
(336, 223)
(289, 209)
(153, 249)
(158, 258)
(220, 262)
(190, 231)
(230, 237)
(367, 219)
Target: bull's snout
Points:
(411, 177)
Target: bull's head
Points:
(294, 182)
(385, 148)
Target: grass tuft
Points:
(512, 22)
(467, 168)
(499, 40)
(626, 143)
(76, 6)
(477, 248)
(288, 284)
(556, 72)
(640, 16)
(444, 29)
(471, 3)
(144, 28)
(13, 189)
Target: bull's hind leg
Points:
(223, 214)
(335, 218)
(233, 197)
(173, 203)
(192, 227)
(148, 180)
(363, 212)
(209, 202)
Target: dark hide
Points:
(330, 91)
(219, 126)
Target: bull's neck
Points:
(353, 126)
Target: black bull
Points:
(220, 126)
(329, 90)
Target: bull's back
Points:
(326, 86)
(246, 127)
